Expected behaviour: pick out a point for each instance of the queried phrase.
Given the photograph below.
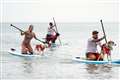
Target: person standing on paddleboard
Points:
(92, 53)
(52, 34)
(29, 35)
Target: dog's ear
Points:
(112, 42)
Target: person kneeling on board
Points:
(91, 53)
(52, 34)
(29, 35)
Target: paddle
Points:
(104, 34)
(16, 28)
(103, 31)
(81, 58)
(24, 31)
(56, 30)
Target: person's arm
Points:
(54, 30)
(97, 40)
(35, 36)
(56, 33)
(38, 39)
(22, 33)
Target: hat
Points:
(95, 32)
(51, 23)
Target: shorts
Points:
(97, 55)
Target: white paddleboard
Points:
(18, 53)
(81, 60)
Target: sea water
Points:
(57, 62)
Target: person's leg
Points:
(30, 49)
(54, 38)
(48, 38)
(102, 55)
(90, 56)
(24, 49)
(98, 57)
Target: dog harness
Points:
(106, 49)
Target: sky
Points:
(61, 10)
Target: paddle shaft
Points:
(24, 31)
(104, 34)
(40, 40)
(17, 28)
(56, 29)
(103, 30)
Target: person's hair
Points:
(31, 26)
(95, 32)
(51, 24)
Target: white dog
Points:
(40, 48)
(106, 49)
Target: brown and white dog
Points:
(106, 49)
(40, 48)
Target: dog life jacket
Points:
(105, 49)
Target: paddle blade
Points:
(11, 25)
(12, 49)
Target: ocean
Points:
(57, 64)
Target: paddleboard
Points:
(83, 60)
(18, 53)
(53, 45)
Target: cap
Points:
(95, 32)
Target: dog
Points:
(106, 49)
(40, 48)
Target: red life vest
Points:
(105, 49)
